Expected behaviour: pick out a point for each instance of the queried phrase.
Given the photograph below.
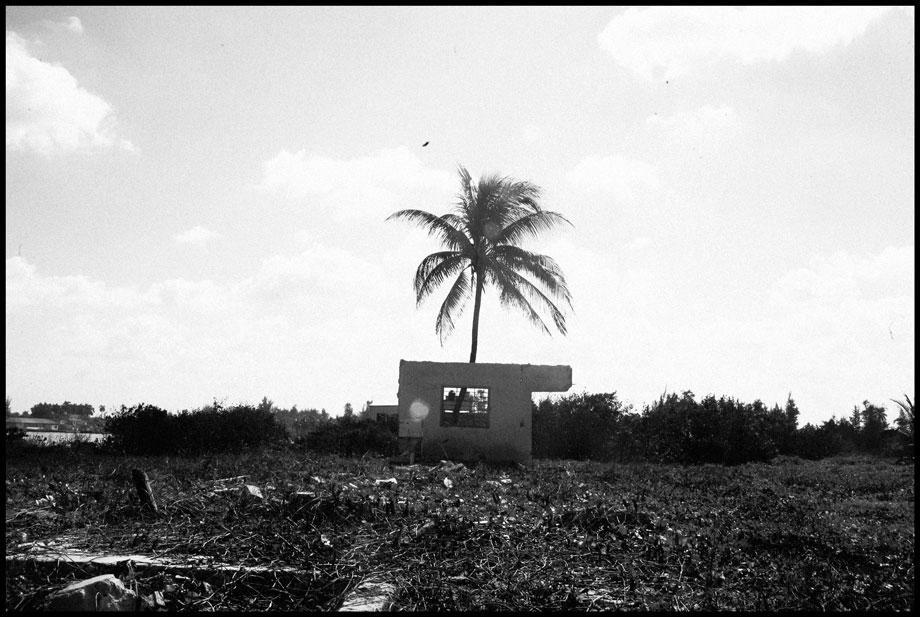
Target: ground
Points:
(836, 534)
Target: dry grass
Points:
(827, 535)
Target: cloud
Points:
(532, 134)
(618, 175)
(697, 123)
(667, 42)
(843, 276)
(354, 187)
(709, 131)
(178, 338)
(24, 288)
(71, 24)
(197, 236)
(638, 244)
(834, 333)
(48, 112)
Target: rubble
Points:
(100, 593)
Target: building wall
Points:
(375, 411)
(508, 436)
(33, 424)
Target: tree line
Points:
(674, 429)
(54, 411)
(679, 429)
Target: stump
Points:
(142, 484)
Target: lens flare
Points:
(418, 410)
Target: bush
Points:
(348, 436)
(578, 426)
(146, 429)
(15, 435)
(674, 429)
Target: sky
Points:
(196, 198)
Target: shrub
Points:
(578, 426)
(15, 435)
(146, 429)
(350, 436)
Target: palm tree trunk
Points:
(476, 305)
(478, 300)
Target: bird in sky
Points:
(425, 144)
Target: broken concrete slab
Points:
(58, 556)
(100, 593)
(370, 596)
(249, 493)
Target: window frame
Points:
(468, 419)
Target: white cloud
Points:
(706, 120)
(48, 112)
(532, 134)
(24, 288)
(708, 131)
(835, 333)
(354, 187)
(197, 236)
(71, 24)
(638, 244)
(321, 265)
(843, 276)
(618, 175)
(666, 42)
(245, 338)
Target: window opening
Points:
(465, 406)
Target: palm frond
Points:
(905, 419)
(452, 307)
(542, 267)
(435, 225)
(529, 225)
(434, 270)
(505, 275)
(466, 199)
(510, 295)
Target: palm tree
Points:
(481, 238)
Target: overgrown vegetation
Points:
(836, 534)
(673, 429)
(350, 436)
(147, 429)
(678, 429)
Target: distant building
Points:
(33, 424)
(379, 412)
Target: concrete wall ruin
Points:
(494, 420)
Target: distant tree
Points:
(266, 404)
(905, 419)
(905, 424)
(810, 442)
(60, 411)
(9, 411)
(847, 433)
(873, 427)
(667, 429)
(349, 411)
(782, 424)
(856, 419)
